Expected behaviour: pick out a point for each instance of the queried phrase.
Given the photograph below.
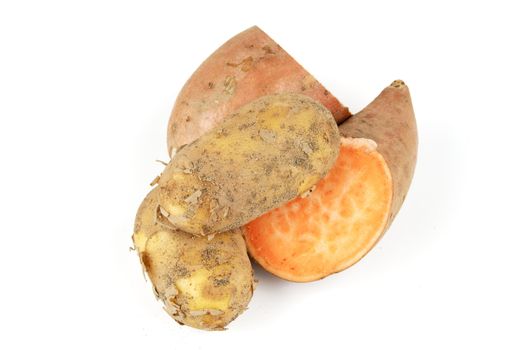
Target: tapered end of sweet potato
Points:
(389, 121)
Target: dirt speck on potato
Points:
(245, 65)
(268, 50)
(229, 84)
(193, 198)
(146, 261)
(267, 135)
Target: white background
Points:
(86, 89)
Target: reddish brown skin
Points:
(248, 66)
(389, 121)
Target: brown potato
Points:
(267, 153)
(203, 283)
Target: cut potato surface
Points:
(335, 226)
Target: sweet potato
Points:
(248, 66)
(351, 208)
(389, 121)
(202, 283)
(267, 153)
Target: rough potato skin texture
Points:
(267, 153)
(389, 121)
(248, 66)
(203, 283)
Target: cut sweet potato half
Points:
(248, 66)
(351, 208)
(335, 226)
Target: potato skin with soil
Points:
(267, 153)
(248, 66)
(203, 283)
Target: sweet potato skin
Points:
(267, 153)
(203, 283)
(248, 66)
(389, 121)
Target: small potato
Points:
(203, 283)
(267, 153)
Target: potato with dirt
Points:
(268, 152)
(203, 283)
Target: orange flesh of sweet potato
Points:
(248, 66)
(341, 220)
(351, 208)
